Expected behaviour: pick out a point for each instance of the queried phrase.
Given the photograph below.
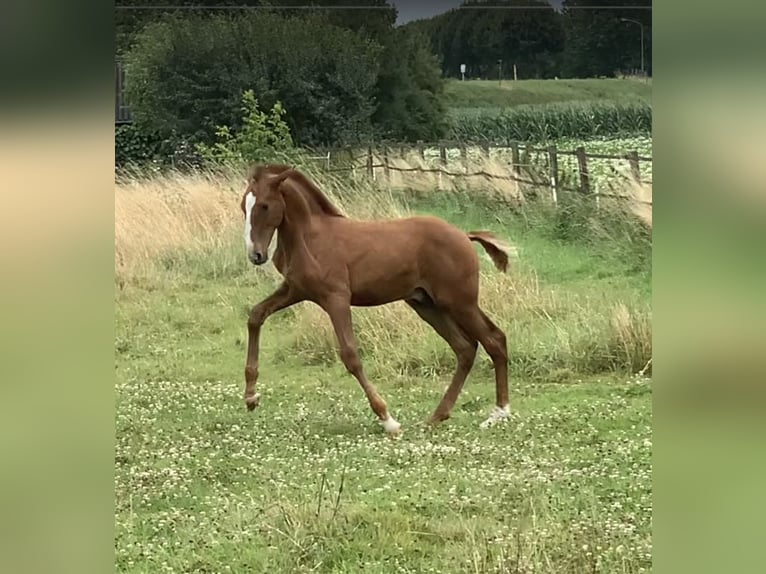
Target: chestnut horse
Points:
(337, 262)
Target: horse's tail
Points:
(496, 248)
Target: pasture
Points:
(309, 482)
(493, 94)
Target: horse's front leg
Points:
(339, 310)
(283, 297)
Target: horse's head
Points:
(264, 209)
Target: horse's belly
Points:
(382, 290)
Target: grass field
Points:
(490, 93)
(308, 482)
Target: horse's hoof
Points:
(498, 415)
(391, 426)
(437, 419)
(252, 402)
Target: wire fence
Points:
(545, 174)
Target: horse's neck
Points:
(314, 203)
(297, 218)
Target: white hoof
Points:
(497, 415)
(390, 425)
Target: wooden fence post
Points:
(632, 157)
(516, 168)
(582, 164)
(352, 161)
(443, 154)
(370, 170)
(582, 168)
(386, 170)
(554, 168)
(515, 161)
(421, 150)
(463, 154)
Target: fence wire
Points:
(481, 173)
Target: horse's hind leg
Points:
(476, 324)
(339, 311)
(464, 348)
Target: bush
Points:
(259, 139)
(131, 145)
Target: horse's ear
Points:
(279, 178)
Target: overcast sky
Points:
(415, 9)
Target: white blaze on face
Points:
(249, 203)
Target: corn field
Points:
(542, 123)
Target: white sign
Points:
(462, 68)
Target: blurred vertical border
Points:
(709, 287)
(56, 300)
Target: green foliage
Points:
(374, 23)
(187, 74)
(599, 43)
(542, 42)
(347, 76)
(409, 91)
(550, 122)
(531, 39)
(602, 43)
(131, 145)
(260, 137)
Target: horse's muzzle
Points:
(257, 258)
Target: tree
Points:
(186, 75)
(597, 40)
(409, 89)
(533, 39)
(132, 15)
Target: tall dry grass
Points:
(174, 212)
(196, 217)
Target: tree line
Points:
(575, 42)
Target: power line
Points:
(550, 7)
(257, 7)
(357, 7)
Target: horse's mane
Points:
(258, 171)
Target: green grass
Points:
(488, 93)
(309, 483)
(575, 259)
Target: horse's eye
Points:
(264, 207)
